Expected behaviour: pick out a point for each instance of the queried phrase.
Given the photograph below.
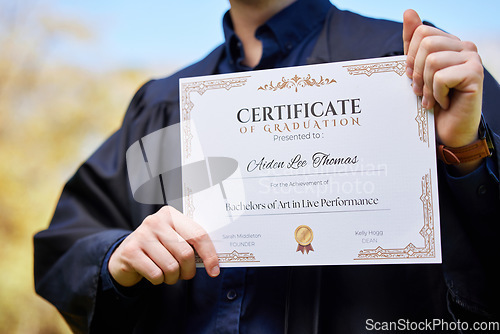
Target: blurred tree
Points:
(51, 117)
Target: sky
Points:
(165, 34)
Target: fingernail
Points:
(215, 271)
(425, 103)
(417, 90)
(409, 72)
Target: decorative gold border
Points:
(201, 87)
(297, 82)
(422, 119)
(427, 232)
(233, 257)
(399, 67)
(188, 208)
(187, 106)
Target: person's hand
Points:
(448, 74)
(161, 250)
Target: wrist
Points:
(464, 168)
(467, 158)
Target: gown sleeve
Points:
(94, 211)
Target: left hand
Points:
(448, 74)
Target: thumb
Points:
(411, 21)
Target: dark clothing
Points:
(97, 209)
(287, 39)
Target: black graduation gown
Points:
(97, 208)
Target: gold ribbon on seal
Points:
(304, 237)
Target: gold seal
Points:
(304, 237)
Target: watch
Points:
(481, 148)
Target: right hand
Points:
(161, 250)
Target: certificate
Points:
(313, 165)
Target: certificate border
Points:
(188, 207)
(422, 119)
(186, 88)
(397, 66)
(232, 257)
(427, 232)
(201, 87)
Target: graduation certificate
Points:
(313, 165)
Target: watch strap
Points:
(457, 155)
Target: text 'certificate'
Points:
(312, 165)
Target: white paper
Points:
(312, 165)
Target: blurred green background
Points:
(51, 117)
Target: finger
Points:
(130, 261)
(206, 250)
(420, 33)
(465, 77)
(181, 251)
(165, 260)
(462, 71)
(147, 268)
(121, 266)
(436, 79)
(411, 21)
(425, 56)
(148, 237)
(195, 235)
